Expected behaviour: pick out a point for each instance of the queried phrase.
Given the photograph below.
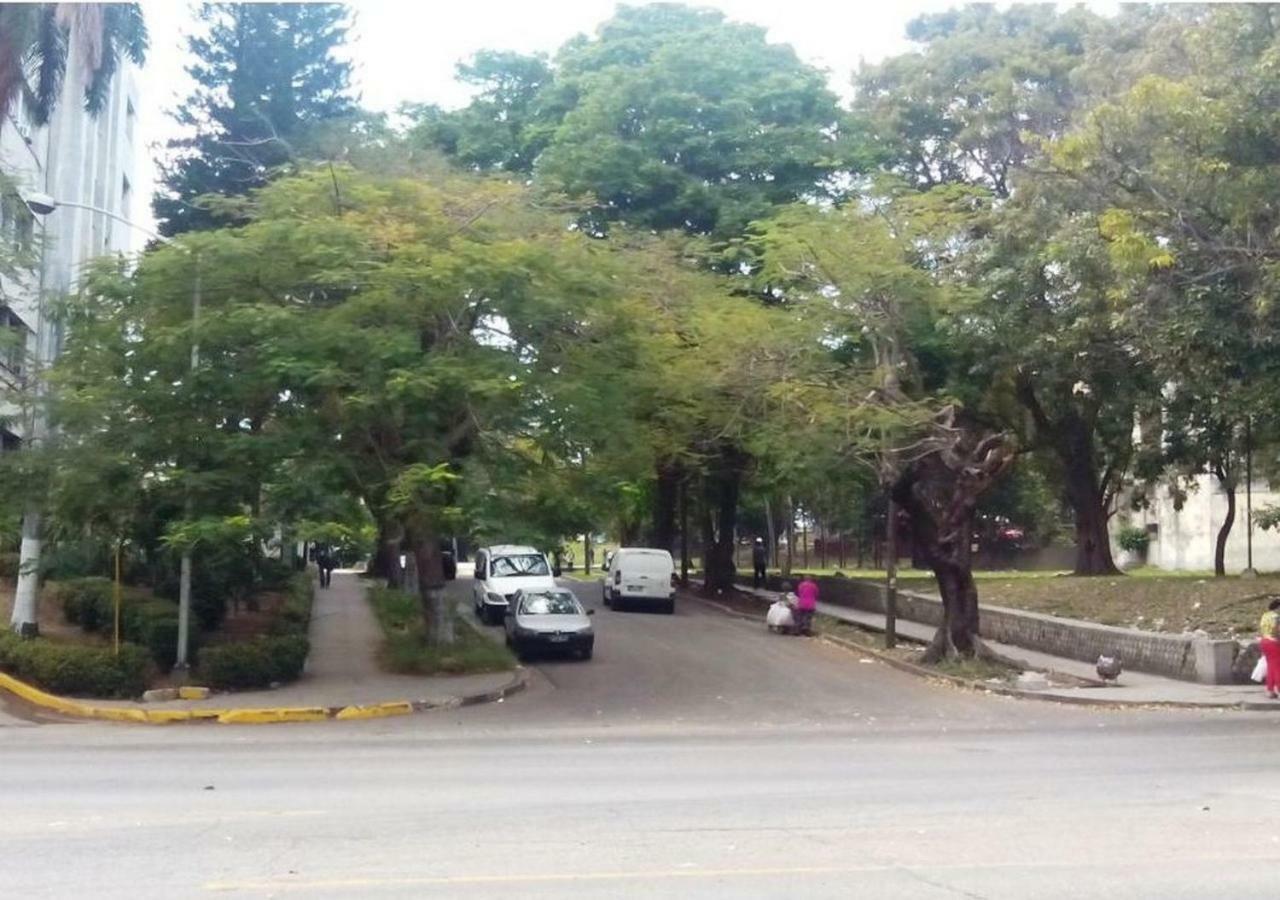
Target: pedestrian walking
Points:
(325, 562)
(1269, 644)
(806, 604)
(760, 562)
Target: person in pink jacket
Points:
(806, 604)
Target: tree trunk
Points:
(791, 537)
(662, 533)
(423, 544)
(1093, 542)
(1220, 549)
(722, 498)
(684, 533)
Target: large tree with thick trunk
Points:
(942, 476)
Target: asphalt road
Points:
(695, 756)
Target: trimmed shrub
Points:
(76, 670)
(86, 602)
(254, 664)
(154, 625)
(276, 657)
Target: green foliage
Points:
(1133, 539)
(253, 664)
(9, 565)
(76, 670)
(35, 39)
(670, 116)
(87, 602)
(268, 76)
(278, 656)
(407, 652)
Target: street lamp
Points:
(24, 605)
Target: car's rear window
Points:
(515, 566)
(550, 604)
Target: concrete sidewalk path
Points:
(1131, 688)
(342, 669)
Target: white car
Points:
(638, 575)
(502, 570)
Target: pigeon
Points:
(1109, 667)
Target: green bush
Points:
(1133, 539)
(254, 664)
(74, 669)
(87, 602)
(9, 565)
(276, 657)
(153, 624)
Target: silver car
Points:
(542, 619)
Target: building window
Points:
(129, 117)
(13, 341)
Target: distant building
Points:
(76, 158)
(1186, 539)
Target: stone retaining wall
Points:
(1185, 656)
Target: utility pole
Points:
(891, 574)
(184, 573)
(1249, 570)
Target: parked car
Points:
(503, 570)
(638, 575)
(549, 619)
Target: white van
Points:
(641, 575)
(500, 572)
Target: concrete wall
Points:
(1188, 657)
(1185, 539)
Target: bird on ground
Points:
(1109, 667)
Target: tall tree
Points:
(268, 75)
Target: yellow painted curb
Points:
(269, 715)
(191, 692)
(375, 711)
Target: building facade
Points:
(75, 159)
(1185, 539)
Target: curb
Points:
(1006, 691)
(255, 715)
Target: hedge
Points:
(275, 657)
(153, 623)
(74, 669)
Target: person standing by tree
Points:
(760, 562)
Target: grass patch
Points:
(1149, 599)
(406, 651)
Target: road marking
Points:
(278, 885)
(549, 878)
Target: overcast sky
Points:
(407, 49)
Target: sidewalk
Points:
(1138, 688)
(342, 669)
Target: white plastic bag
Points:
(1260, 670)
(779, 616)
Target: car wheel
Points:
(670, 608)
(585, 653)
(604, 596)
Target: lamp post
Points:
(24, 606)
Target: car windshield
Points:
(524, 564)
(552, 603)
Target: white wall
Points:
(1186, 539)
(75, 158)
